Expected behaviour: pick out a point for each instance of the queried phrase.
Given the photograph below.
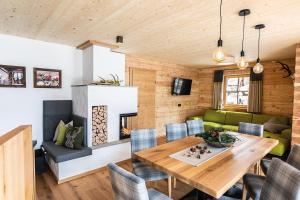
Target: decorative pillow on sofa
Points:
(74, 137)
(275, 126)
(60, 132)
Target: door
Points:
(145, 80)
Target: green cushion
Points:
(195, 118)
(230, 128)
(211, 125)
(217, 116)
(287, 134)
(74, 137)
(61, 133)
(282, 146)
(261, 119)
(233, 118)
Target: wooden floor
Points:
(93, 187)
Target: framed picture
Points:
(12, 76)
(46, 78)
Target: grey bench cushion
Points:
(60, 153)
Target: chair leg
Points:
(244, 193)
(170, 186)
(174, 184)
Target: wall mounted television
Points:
(181, 86)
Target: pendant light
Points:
(258, 67)
(242, 62)
(218, 54)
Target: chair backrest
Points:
(126, 185)
(294, 156)
(251, 129)
(282, 182)
(195, 126)
(176, 131)
(142, 139)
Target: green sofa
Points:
(229, 120)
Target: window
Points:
(236, 90)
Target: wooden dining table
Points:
(216, 175)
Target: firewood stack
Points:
(99, 131)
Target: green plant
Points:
(114, 81)
(217, 135)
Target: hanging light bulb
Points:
(242, 62)
(258, 67)
(218, 54)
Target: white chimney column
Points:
(101, 62)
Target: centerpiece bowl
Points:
(218, 138)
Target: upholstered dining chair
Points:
(282, 182)
(143, 139)
(176, 131)
(195, 127)
(293, 159)
(129, 186)
(252, 129)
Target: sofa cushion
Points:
(230, 128)
(287, 134)
(233, 118)
(274, 128)
(217, 116)
(211, 125)
(60, 153)
(261, 119)
(281, 147)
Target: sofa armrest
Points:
(195, 118)
(286, 133)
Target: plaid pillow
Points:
(74, 137)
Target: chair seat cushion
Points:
(265, 165)
(147, 173)
(60, 153)
(156, 195)
(253, 184)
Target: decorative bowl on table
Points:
(218, 138)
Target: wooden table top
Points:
(215, 176)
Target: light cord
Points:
(258, 45)
(221, 19)
(243, 33)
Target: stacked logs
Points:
(99, 123)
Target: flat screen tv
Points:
(181, 86)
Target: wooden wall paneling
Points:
(277, 91)
(296, 110)
(167, 109)
(17, 169)
(145, 80)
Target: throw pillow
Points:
(62, 133)
(58, 129)
(275, 126)
(74, 138)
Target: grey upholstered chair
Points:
(129, 186)
(293, 159)
(195, 126)
(176, 131)
(143, 139)
(251, 129)
(282, 182)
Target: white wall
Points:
(24, 105)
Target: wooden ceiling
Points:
(178, 31)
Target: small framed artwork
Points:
(12, 76)
(46, 78)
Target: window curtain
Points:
(218, 89)
(255, 92)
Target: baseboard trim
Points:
(87, 173)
